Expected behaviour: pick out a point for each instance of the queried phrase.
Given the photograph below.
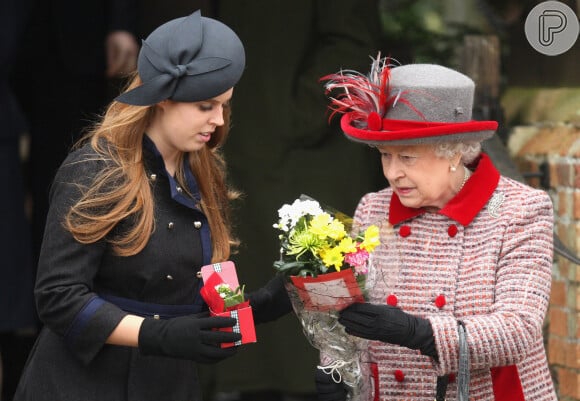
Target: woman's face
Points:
(419, 177)
(187, 126)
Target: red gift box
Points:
(225, 273)
(245, 325)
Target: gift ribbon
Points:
(332, 370)
(236, 328)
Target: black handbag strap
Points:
(463, 374)
(442, 382)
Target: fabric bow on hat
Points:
(188, 59)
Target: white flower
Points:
(290, 214)
(223, 289)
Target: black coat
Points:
(70, 360)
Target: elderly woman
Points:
(461, 282)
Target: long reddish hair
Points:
(122, 191)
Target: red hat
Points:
(403, 105)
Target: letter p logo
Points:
(551, 28)
(551, 22)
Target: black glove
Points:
(327, 389)
(188, 337)
(390, 325)
(271, 301)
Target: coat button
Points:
(198, 275)
(169, 277)
(440, 301)
(451, 377)
(179, 189)
(197, 224)
(156, 317)
(399, 375)
(170, 225)
(404, 231)
(153, 177)
(392, 300)
(452, 230)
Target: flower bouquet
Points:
(326, 270)
(222, 300)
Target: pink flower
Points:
(358, 260)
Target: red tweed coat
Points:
(484, 259)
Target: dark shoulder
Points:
(83, 164)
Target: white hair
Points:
(469, 150)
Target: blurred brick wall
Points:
(556, 148)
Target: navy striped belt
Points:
(157, 311)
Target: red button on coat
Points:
(392, 300)
(399, 375)
(451, 377)
(405, 231)
(452, 230)
(440, 301)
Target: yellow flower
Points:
(324, 226)
(319, 224)
(371, 239)
(347, 245)
(332, 257)
(336, 230)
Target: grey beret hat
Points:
(187, 59)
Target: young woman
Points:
(135, 211)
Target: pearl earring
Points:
(453, 168)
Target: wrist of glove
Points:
(188, 337)
(271, 301)
(390, 325)
(327, 389)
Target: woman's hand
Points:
(327, 389)
(271, 301)
(188, 337)
(390, 325)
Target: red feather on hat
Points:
(366, 97)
